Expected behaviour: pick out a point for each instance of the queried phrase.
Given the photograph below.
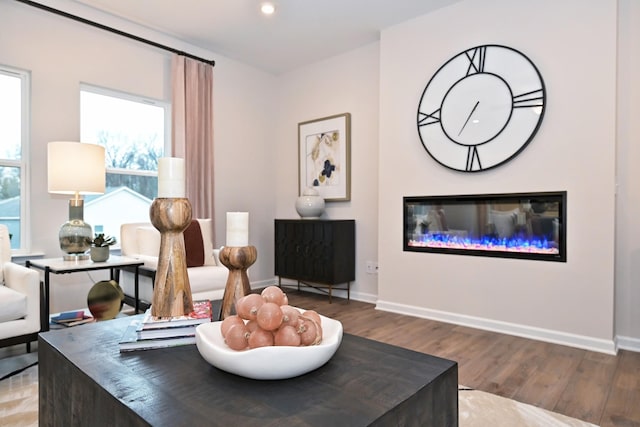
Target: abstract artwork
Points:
(324, 157)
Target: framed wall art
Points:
(324, 158)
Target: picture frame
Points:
(324, 157)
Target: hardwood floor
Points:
(594, 387)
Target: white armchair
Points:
(19, 298)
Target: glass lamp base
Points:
(75, 239)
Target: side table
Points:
(135, 301)
(59, 266)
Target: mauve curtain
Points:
(192, 130)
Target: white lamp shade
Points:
(75, 167)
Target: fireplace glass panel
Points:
(519, 225)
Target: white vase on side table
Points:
(310, 205)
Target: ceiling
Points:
(301, 32)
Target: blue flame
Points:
(518, 244)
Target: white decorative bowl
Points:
(268, 363)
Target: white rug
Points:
(19, 407)
(480, 409)
(13, 365)
(19, 399)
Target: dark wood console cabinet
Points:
(319, 253)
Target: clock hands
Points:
(470, 114)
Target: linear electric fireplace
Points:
(516, 225)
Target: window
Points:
(134, 131)
(14, 141)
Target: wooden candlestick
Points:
(171, 291)
(237, 259)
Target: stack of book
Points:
(148, 332)
(71, 318)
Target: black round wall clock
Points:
(481, 108)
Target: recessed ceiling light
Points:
(267, 8)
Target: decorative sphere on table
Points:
(105, 299)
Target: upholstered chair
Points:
(19, 298)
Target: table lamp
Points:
(75, 168)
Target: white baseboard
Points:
(364, 297)
(547, 335)
(338, 293)
(628, 343)
(540, 334)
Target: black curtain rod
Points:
(115, 31)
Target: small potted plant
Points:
(100, 247)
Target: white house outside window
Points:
(14, 142)
(135, 133)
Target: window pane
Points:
(10, 117)
(147, 186)
(133, 134)
(10, 202)
(14, 104)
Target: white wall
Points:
(256, 115)
(343, 84)
(62, 53)
(628, 178)
(574, 150)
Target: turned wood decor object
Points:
(172, 291)
(237, 259)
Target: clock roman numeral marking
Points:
(473, 159)
(428, 119)
(529, 99)
(476, 59)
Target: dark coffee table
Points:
(84, 380)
